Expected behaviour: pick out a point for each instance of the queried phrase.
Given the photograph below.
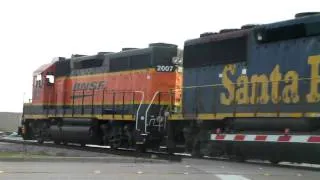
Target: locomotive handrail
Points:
(172, 93)
(146, 114)
(123, 97)
(217, 85)
(102, 102)
(137, 113)
(82, 102)
(92, 102)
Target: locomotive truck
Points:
(250, 92)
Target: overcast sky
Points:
(32, 32)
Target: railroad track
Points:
(102, 149)
(177, 157)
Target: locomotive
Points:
(246, 93)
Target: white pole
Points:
(24, 93)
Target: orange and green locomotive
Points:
(98, 99)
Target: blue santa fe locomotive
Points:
(254, 90)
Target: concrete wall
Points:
(9, 121)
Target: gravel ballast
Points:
(21, 152)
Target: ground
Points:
(16, 149)
(188, 169)
(60, 164)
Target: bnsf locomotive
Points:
(251, 92)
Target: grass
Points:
(23, 154)
(8, 154)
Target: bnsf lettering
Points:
(88, 85)
(266, 88)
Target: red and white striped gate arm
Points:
(266, 138)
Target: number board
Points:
(165, 68)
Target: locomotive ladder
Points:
(139, 107)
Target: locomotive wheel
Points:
(274, 161)
(40, 140)
(239, 158)
(26, 137)
(114, 145)
(141, 148)
(196, 150)
(105, 140)
(171, 150)
(238, 155)
(115, 142)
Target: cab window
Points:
(38, 81)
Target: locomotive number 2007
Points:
(161, 68)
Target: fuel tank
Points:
(77, 122)
(71, 133)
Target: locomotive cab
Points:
(43, 85)
(42, 90)
(43, 97)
